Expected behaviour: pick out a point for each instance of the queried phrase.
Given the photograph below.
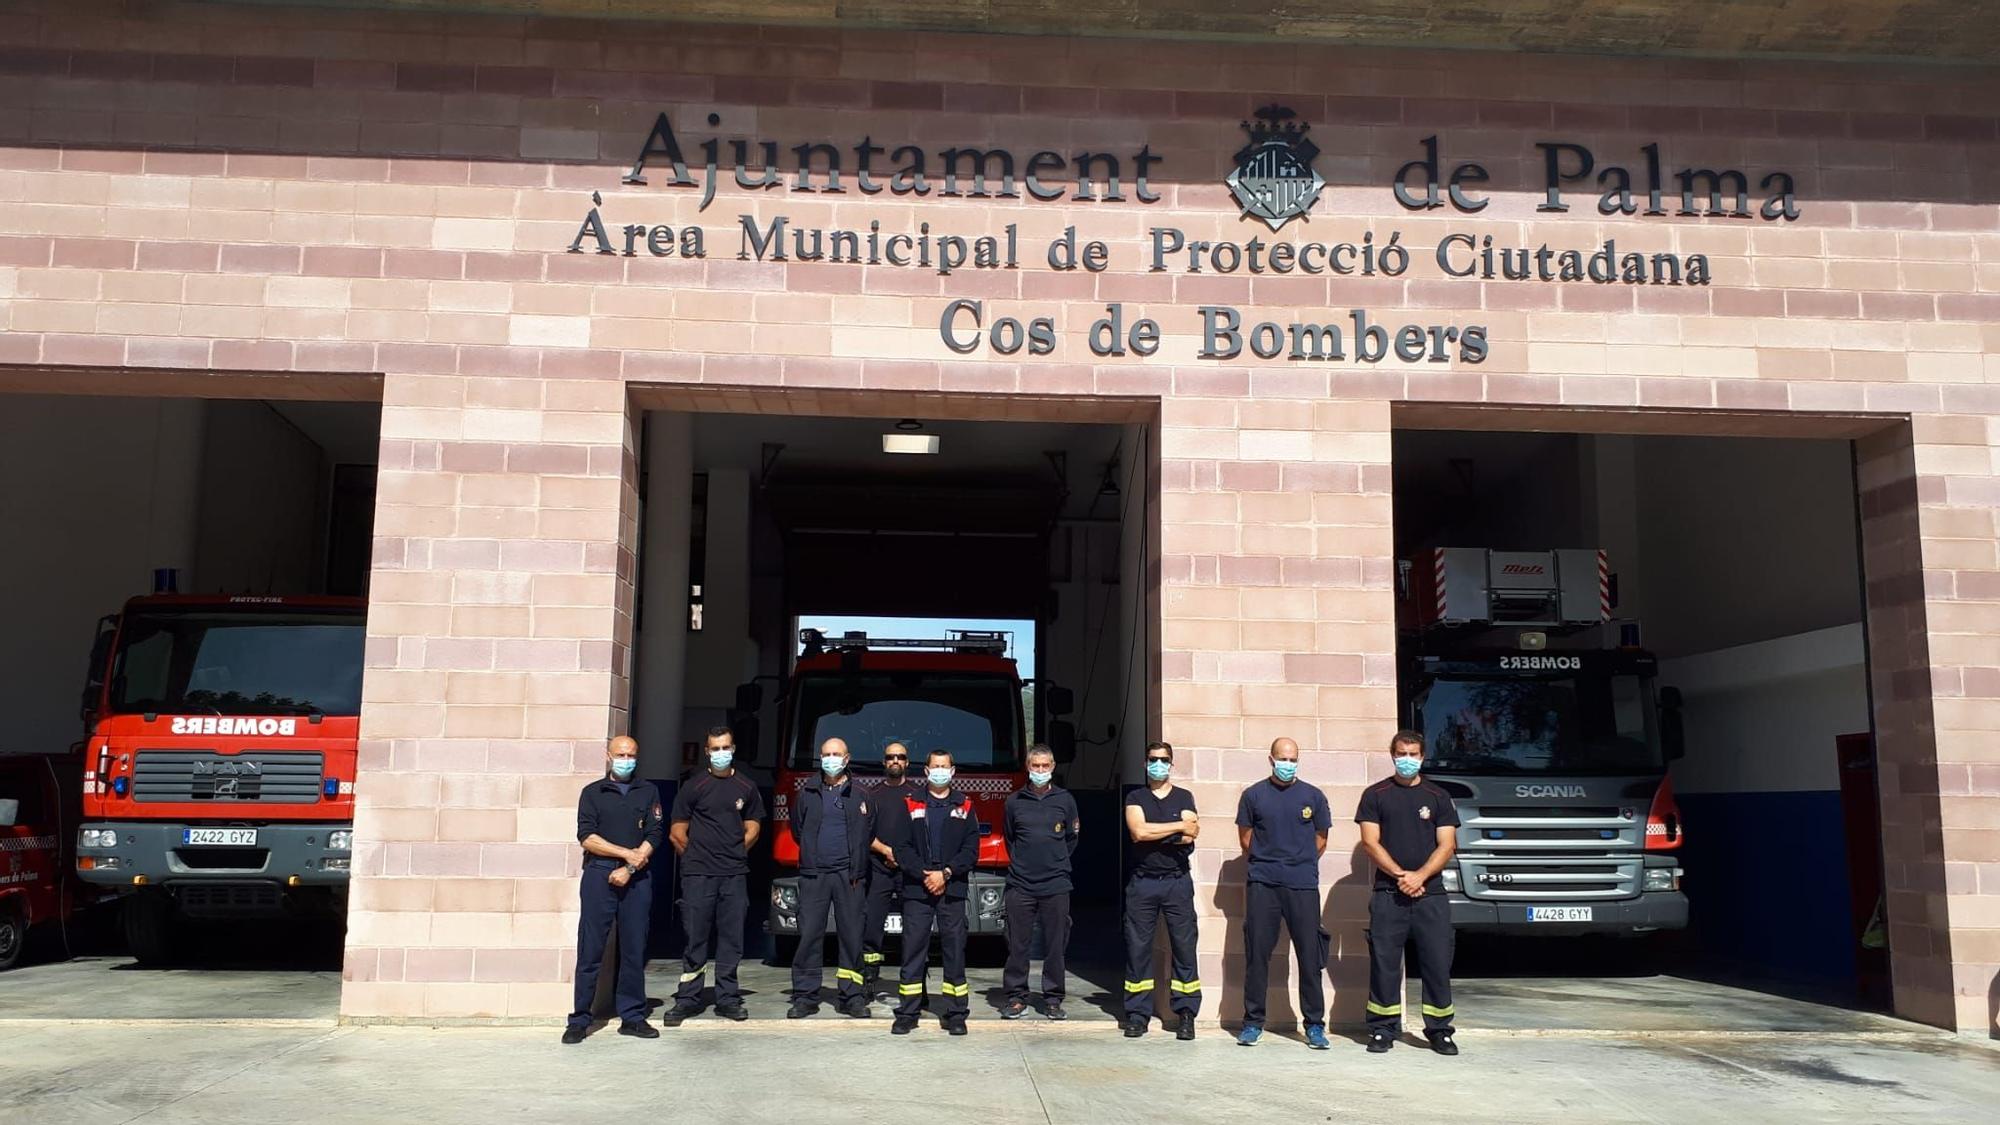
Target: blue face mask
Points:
(624, 768)
(1409, 767)
(1285, 771)
(719, 759)
(832, 765)
(1159, 770)
(939, 776)
(1040, 777)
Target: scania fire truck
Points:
(1553, 745)
(961, 693)
(219, 760)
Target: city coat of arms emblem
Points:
(1274, 178)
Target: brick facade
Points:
(203, 196)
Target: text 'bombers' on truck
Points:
(219, 759)
(1554, 748)
(960, 693)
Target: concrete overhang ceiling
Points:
(1958, 31)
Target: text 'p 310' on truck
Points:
(1553, 748)
(219, 760)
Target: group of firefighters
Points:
(910, 843)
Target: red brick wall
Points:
(200, 189)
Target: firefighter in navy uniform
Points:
(715, 821)
(1282, 824)
(1040, 825)
(1160, 817)
(619, 825)
(885, 885)
(1409, 829)
(830, 820)
(936, 838)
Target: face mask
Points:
(720, 759)
(832, 765)
(624, 768)
(1159, 770)
(940, 776)
(1284, 771)
(1408, 767)
(1040, 777)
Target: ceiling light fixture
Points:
(909, 443)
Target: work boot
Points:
(1135, 1026)
(574, 1035)
(1186, 1030)
(856, 1007)
(954, 1025)
(1014, 1010)
(734, 1012)
(800, 1009)
(639, 1029)
(677, 1015)
(1442, 1043)
(903, 1025)
(1055, 1011)
(1379, 1042)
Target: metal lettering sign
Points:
(1274, 178)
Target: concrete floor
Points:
(92, 1073)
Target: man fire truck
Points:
(219, 759)
(960, 693)
(1553, 747)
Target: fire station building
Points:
(1206, 342)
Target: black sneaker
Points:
(1442, 1043)
(639, 1029)
(903, 1025)
(855, 1008)
(574, 1035)
(677, 1015)
(1379, 1042)
(1014, 1010)
(955, 1025)
(1055, 1011)
(735, 1012)
(800, 1009)
(1186, 1030)
(1135, 1026)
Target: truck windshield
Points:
(237, 663)
(1553, 725)
(977, 718)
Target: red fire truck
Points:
(960, 693)
(219, 761)
(38, 814)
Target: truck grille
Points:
(287, 777)
(1576, 853)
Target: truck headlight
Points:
(1450, 877)
(97, 838)
(1661, 879)
(785, 897)
(342, 841)
(333, 864)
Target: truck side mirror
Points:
(749, 697)
(1060, 701)
(1062, 741)
(1673, 737)
(10, 812)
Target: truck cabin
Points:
(1555, 713)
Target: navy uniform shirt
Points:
(832, 849)
(1410, 816)
(1040, 830)
(715, 809)
(1161, 858)
(1284, 823)
(625, 813)
(881, 802)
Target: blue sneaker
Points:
(1249, 1035)
(1316, 1038)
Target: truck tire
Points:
(13, 937)
(149, 928)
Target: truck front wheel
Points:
(149, 928)
(13, 937)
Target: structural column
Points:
(499, 635)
